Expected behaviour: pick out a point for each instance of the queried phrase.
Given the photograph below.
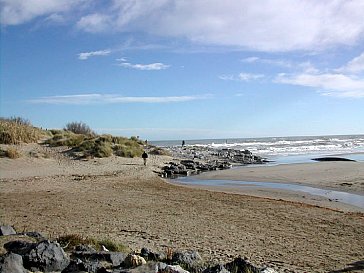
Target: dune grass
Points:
(70, 241)
(14, 131)
(96, 146)
(81, 139)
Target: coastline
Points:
(336, 176)
(127, 202)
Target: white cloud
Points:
(249, 77)
(356, 65)
(276, 25)
(345, 82)
(330, 84)
(94, 22)
(86, 55)
(15, 12)
(242, 77)
(153, 66)
(86, 99)
(276, 62)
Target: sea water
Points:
(286, 150)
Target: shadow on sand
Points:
(359, 265)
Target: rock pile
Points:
(42, 255)
(197, 159)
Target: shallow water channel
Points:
(344, 197)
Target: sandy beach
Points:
(120, 199)
(338, 176)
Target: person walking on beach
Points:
(145, 156)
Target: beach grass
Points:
(70, 241)
(16, 130)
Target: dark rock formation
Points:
(46, 256)
(195, 159)
(19, 247)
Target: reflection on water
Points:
(344, 197)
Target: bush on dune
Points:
(79, 128)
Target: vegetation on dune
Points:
(77, 135)
(10, 152)
(79, 128)
(69, 242)
(17, 130)
(88, 144)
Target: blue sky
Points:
(185, 69)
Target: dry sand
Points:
(123, 200)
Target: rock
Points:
(85, 248)
(7, 230)
(12, 263)
(189, 258)
(115, 258)
(19, 247)
(133, 260)
(216, 269)
(150, 267)
(241, 265)
(150, 255)
(76, 266)
(34, 234)
(173, 269)
(46, 256)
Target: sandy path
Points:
(123, 200)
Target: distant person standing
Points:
(183, 143)
(145, 156)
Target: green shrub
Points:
(102, 149)
(65, 138)
(128, 151)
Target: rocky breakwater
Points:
(191, 160)
(31, 252)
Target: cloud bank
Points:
(276, 25)
(86, 99)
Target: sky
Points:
(185, 69)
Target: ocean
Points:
(286, 149)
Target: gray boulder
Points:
(12, 263)
(7, 230)
(46, 256)
(190, 259)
